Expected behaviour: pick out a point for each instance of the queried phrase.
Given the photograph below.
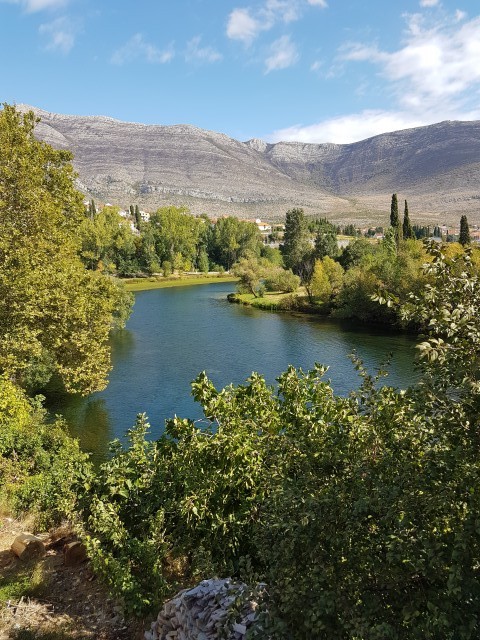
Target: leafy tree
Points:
(464, 237)
(231, 239)
(296, 240)
(408, 232)
(176, 235)
(327, 279)
(250, 272)
(55, 317)
(279, 279)
(326, 244)
(353, 254)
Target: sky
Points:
(308, 70)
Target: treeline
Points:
(171, 240)
(344, 282)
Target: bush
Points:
(282, 280)
(39, 463)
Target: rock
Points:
(27, 547)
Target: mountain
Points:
(436, 168)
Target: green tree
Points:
(231, 239)
(250, 272)
(55, 317)
(296, 240)
(176, 236)
(394, 219)
(326, 244)
(408, 232)
(138, 217)
(464, 237)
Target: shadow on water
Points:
(173, 334)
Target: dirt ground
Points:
(46, 600)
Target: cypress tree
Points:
(138, 218)
(407, 227)
(394, 221)
(464, 231)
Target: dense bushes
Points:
(39, 462)
(360, 512)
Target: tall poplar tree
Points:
(464, 238)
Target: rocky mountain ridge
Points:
(437, 168)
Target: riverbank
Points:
(275, 301)
(162, 282)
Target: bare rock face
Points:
(437, 168)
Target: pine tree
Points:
(464, 231)
(407, 227)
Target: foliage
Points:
(407, 229)
(231, 239)
(55, 317)
(360, 512)
(327, 279)
(464, 238)
(250, 272)
(296, 241)
(278, 279)
(39, 462)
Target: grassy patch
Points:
(159, 282)
(275, 301)
(27, 581)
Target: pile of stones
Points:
(211, 610)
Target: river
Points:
(175, 333)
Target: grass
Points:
(160, 282)
(275, 301)
(29, 581)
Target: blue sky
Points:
(308, 70)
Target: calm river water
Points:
(175, 333)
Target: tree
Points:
(55, 317)
(408, 232)
(176, 236)
(296, 240)
(326, 243)
(250, 272)
(464, 238)
(138, 218)
(394, 219)
(231, 239)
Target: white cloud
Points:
(433, 76)
(196, 53)
(359, 126)
(460, 15)
(429, 3)
(60, 34)
(437, 65)
(138, 48)
(283, 54)
(31, 6)
(246, 24)
(242, 26)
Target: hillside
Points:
(437, 168)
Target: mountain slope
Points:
(437, 168)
